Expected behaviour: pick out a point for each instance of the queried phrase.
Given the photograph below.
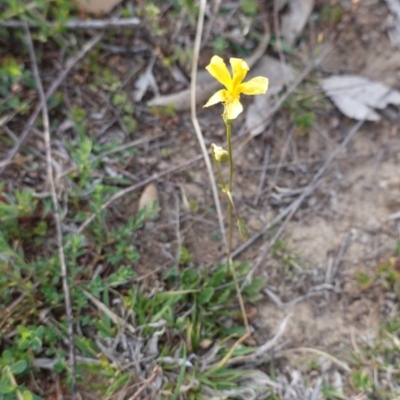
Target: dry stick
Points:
(277, 29)
(64, 277)
(307, 191)
(157, 371)
(211, 21)
(282, 156)
(263, 175)
(197, 43)
(77, 24)
(54, 86)
(331, 272)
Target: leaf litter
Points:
(358, 97)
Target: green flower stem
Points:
(230, 223)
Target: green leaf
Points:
(5, 385)
(249, 7)
(255, 286)
(27, 395)
(224, 296)
(190, 277)
(18, 367)
(244, 233)
(206, 295)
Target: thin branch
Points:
(54, 86)
(340, 364)
(195, 122)
(77, 24)
(64, 277)
(263, 175)
(156, 372)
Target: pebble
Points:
(373, 225)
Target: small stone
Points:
(364, 239)
(373, 225)
(255, 224)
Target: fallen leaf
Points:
(394, 22)
(357, 97)
(148, 200)
(278, 75)
(295, 20)
(97, 6)
(205, 343)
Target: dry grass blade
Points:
(339, 363)
(56, 214)
(78, 24)
(114, 317)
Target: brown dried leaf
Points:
(147, 200)
(97, 6)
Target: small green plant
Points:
(361, 380)
(332, 13)
(10, 368)
(249, 7)
(365, 281)
(301, 106)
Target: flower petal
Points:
(239, 68)
(254, 86)
(218, 97)
(233, 108)
(218, 70)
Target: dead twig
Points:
(263, 174)
(340, 364)
(282, 156)
(54, 86)
(93, 24)
(331, 272)
(56, 214)
(157, 370)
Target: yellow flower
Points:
(230, 96)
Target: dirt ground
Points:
(345, 228)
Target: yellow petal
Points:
(239, 68)
(254, 86)
(218, 97)
(218, 70)
(233, 109)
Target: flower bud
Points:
(220, 155)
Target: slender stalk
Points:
(230, 224)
